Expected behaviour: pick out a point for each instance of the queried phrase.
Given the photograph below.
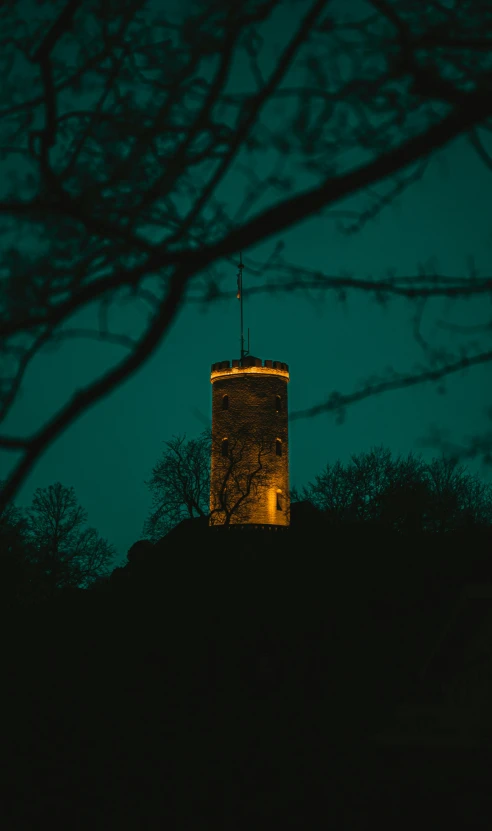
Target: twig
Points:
(338, 401)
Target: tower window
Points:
(278, 447)
(225, 402)
(278, 403)
(279, 500)
(225, 447)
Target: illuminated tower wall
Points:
(250, 412)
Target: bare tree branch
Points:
(124, 125)
(87, 397)
(337, 402)
(298, 278)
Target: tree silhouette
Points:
(180, 484)
(122, 124)
(14, 555)
(243, 473)
(405, 494)
(65, 552)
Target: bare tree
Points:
(64, 549)
(460, 499)
(244, 473)
(180, 484)
(353, 492)
(14, 555)
(401, 493)
(122, 122)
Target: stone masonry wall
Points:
(252, 412)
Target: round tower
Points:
(250, 448)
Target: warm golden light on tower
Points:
(248, 370)
(250, 458)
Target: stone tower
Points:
(250, 448)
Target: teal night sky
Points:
(444, 219)
(329, 346)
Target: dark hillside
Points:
(236, 676)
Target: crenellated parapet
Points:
(248, 365)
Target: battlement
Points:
(250, 421)
(249, 365)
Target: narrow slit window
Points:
(278, 403)
(278, 447)
(279, 500)
(225, 447)
(225, 402)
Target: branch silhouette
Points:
(126, 146)
(338, 401)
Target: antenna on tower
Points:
(244, 352)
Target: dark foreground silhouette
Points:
(243, 679)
